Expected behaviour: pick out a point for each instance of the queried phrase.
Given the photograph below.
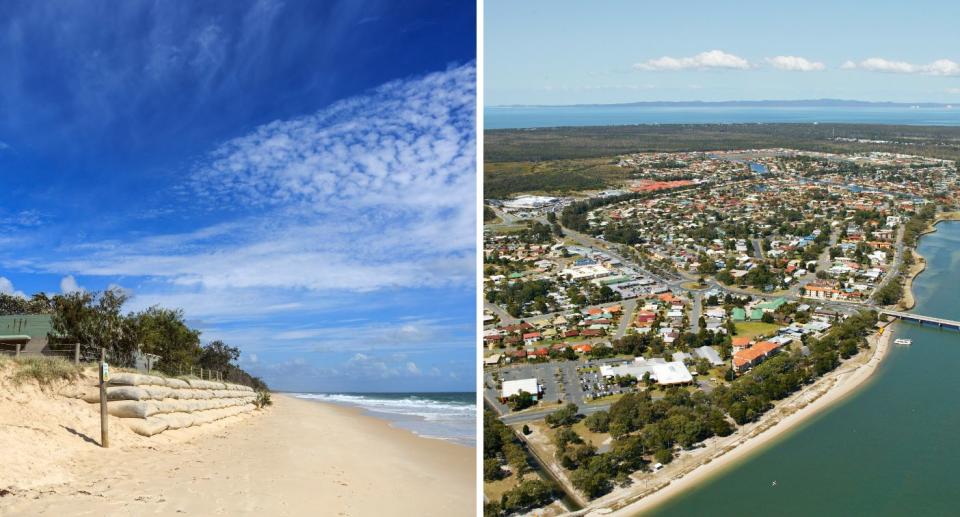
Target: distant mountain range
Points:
(809, 103)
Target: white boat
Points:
(903, 341)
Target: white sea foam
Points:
(441, 417)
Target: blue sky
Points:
(297, 176)
(566, 52)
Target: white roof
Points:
(513, 387)
(662, 372)
(493, 359)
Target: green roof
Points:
(33, 325)
(756, 314)
(739, 314)
(772, 304)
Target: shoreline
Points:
(394, 420)
(908, 300)
(296, 458)
(758, 435)
(750, 439)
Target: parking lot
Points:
(566, 381)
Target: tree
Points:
(94, 320)
(520, 400)
(492, 470)
(165, 333)
(565, 416)
(526, 429)
(598, 422)
(218, 356)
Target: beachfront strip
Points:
(628, 326)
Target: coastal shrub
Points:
(45, 370)
(532, 493)
(263, 399)
(565, 416)
(664, 456)
(521, 400)
(492, 470)
(598, 422)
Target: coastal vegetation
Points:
(502, 448)
(646, 430)
(43, 370)
(567, 143)
(96, 320)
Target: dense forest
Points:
(533, 145)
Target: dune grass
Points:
(44, 370)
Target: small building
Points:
(514, 387)
(708, 353)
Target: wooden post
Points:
(104, 429)
(18, 349)
(76, 353)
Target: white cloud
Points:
(795, 63)
(6, 287)
(953, 91)
(412, 368)
(704, 60)
(374, 192)
(943, 67)
(68, 284)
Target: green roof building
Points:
(31, 330)
(772, 304)
(738, 314)
(756, 313)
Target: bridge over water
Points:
(921, 319)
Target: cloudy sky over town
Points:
(281, 171)
(582, 52)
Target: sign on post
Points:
(104, 379)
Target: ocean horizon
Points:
(528, 117)
(449, 416)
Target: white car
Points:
(657, 466)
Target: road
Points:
(625, 317)
(696, 312)
(758, 249)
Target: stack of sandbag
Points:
(152, 404)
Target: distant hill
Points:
(806, 103)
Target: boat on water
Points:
(903, 341)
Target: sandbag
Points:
(147, 427)
(136, 379)
(176, 383)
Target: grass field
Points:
(753, 329)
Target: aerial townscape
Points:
(655, 311)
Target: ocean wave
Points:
(413, 405)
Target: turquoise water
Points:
(891, 449)
(540, 116)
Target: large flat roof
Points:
(513, 387)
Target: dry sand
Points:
(686, 473)
(296, 458)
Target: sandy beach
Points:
(694, 467)
(296, 458)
